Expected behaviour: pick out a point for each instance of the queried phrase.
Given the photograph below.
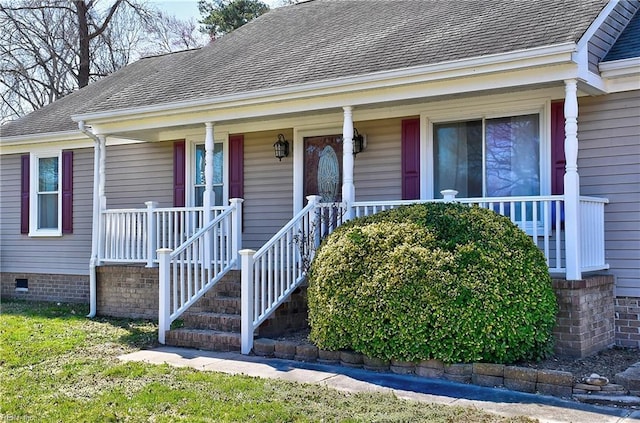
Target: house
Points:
(145, 189)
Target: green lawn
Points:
(58, 366)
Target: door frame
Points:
(299, 134)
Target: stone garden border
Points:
(516, 378)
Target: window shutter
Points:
(67, 192)
(236, 162)
(410, 159)
(24, 194)
(557, 148)
(179, 173)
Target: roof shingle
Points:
(323, 40)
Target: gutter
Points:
(95, 222)
(512, 60)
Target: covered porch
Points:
(195, 246)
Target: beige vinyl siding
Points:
(66, 255)
(137, 173)
(268, 188)
(609, 31)
(377, 170)
(609, 166)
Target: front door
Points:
(323, 167)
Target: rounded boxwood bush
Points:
(432, 281)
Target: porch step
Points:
(212, 321)
(204, 339)
(228, 287)
(222, 304)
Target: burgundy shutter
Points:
(410, 159)
(179, 173)
(557, 148)
(236, 162)
(67, 192)
(24, 194)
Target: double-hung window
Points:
(497, 157)
(199, 181)
(46, 198)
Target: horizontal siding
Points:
(377, 170)
(65, 255)
(609, 166)
(268, 188)
(138, 173)
(604, 38)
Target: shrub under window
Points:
(441, 281)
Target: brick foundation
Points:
(45, 287)
(585, 323)
(127, 291)
(627, 312)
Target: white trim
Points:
(190, 143)
(583, 43)
(33, 193)
(500, 62)
(43, 138)
(299, 134)
(539, 106)
(622, 67)
(581, 56)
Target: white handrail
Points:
(275, 270)
(195, 266)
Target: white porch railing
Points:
(193, 268)
(134, 235)
(275, 270)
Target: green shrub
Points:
(441, 281)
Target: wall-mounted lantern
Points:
(281, 147)
(359, 142)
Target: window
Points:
(199, 175)
(46, 196)
(488, 157)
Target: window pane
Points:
(47, 211)
(200, 177)
(199, 192)
(513, 156)
(217, 193)
(48, 174)
(458, 158)
(218, 163)
(199, 167)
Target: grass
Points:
(58, 366)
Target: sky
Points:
(185, 9)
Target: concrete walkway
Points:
(494, 400)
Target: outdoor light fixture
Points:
(359, 142)
(281, 147)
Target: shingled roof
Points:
(323, 40)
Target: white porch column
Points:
(572, 182)
(102, 198)
(209, 199)
(348, 188)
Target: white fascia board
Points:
(592, 83)
(501, 62)
(620, 68)
(26, 143)
(583, 43)
(333, 103)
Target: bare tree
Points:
(50, 48)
